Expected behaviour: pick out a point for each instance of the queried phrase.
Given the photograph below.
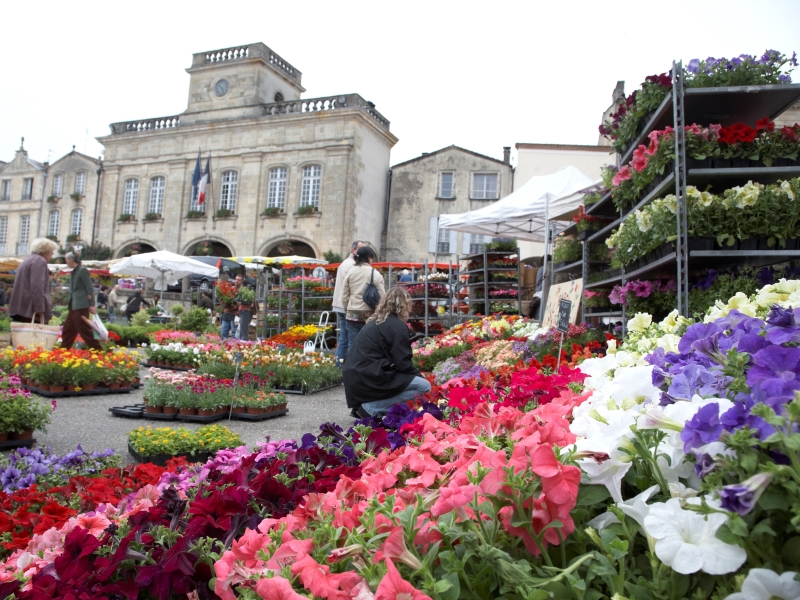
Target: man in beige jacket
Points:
(343, 344)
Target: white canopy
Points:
(163, 266)
(523, 214)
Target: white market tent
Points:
(163, 266)
(524, 213)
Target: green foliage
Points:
(152, 216)
(724, 286)
(140, 318)
(224, 212)
(177, 310)
(133, 334)
(195, 214)
(427, 363)
(271, 211)
(568, 249)
(306, 210)
(96, 251)
(332, 257)
(195, 320)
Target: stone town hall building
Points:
(269, 149)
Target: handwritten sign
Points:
(564, 313)
(572, 291)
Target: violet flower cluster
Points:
(641, 289)
(760, 355)
(24, 467)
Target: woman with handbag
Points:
(379, 371)
(31, 295)
(363, 289)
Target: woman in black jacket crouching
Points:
(378, 371)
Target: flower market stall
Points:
(706, 180)
(663, 466)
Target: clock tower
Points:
(237, 82)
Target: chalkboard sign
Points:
(237, 358)
(564, 309)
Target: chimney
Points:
(507, 154)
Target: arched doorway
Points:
(292, 248)
(135, 248)
(209, 248)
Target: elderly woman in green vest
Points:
(81, 305)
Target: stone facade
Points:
(268, 148)
(71, 193)
(450, 180)
(22, 188)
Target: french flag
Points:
(204, 181)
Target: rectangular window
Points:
(58, 185)
(52, 225)
(80, 183)
(227, 197)
(156, 195)
(6, 193)
(276, 195)
(3, 234)
(446, 189)
(476, 242)
(24, 234)
(484, 186)
(27, 189)
(443, 242)
(311, 184)
(77, 221)
(131, 197)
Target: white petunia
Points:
(687, 542)
(640, 322)
(765, 584)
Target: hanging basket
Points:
(285, 248)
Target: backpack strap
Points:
(372, 277)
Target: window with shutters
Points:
(446, 186)
(24, 234)
(276, 195)
(3, 234)
(58, 185)
(476, 242)
(443, 242)
(227, 198)
(484, 186)
(312, 176)
(77, 221)
(156, 195)
(80, 183)
(27, 189)
(131, 197)
(52, 225)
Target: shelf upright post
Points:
(681, 242)
(519, 283)
(427, 272)
(585, 273)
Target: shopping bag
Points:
(100, 331)
(34, 334)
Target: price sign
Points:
(280, 347)
(237, 358)
(564, 310)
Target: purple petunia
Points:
(702, 429)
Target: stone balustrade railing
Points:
(227, 54)
(326, 103)
(146, 125)
(251, 51)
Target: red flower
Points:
(559, 482)
(765, 124)
(790, 134)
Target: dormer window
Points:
(278, 97)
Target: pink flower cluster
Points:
(641, 289)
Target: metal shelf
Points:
(604, 232)
(570, 268)
(603, 207)
(491, 283)
(656, 265)
(729, 177)
(616, 313)
(604, 282)
(488, 253)
(745, 258)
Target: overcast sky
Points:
(481, 75)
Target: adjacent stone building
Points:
(22, 189)
(450, 180)
(313, 172)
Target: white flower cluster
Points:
(785, 293)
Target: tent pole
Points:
(545, 278)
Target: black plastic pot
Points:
(751, 244)
(701, 243)
(694, 163)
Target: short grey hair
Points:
(354, 245)
(43, 246)
(74, 256)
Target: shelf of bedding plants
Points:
(715, 108)
(427, 295)
(300, 299)
(505, 281)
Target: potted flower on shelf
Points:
(195, 214)
(271, 211)
(152, 216)
(76, 196)
(53, 199)
(224, 212)
(306, 210)
(125, 217)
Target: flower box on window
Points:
(52, 238)
(223, 213)
(195, 214)
(271, 211)
(152, 216)
(125, 218)
(306, 210)
(53, 199)
(73, 237)
(76, 196)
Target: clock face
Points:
(221, 87)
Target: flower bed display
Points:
(182, 337)
(768, 213)
(160, 445)
(296, 335)
(23, 468)
(185, 355)
(73, 371)
(301, 281)
(435, 290)
(20, 414)
(666, 469)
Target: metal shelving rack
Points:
(723, 105)
(486, 271)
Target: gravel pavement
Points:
(86, 421)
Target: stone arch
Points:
(220, 246)
(301, 246)
(126, 249)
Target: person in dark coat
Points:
(378, 371)
(81, 305)
(31, 294)
(135, 303)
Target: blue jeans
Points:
(343, 343)
(245, 316)
(417, 387)
(353, 329)
(227, 329)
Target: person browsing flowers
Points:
(355, 284)
(81, 305)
